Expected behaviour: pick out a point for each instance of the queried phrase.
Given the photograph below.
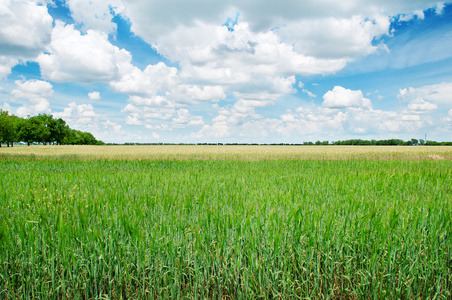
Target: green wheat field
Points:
(225, 222)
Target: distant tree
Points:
(34, 130)
(8, 128)
(43, 128)
(59, 130)
(4, 126)
(414, 142)
(27, 131)
(42, 133)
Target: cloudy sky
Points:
(284, 71)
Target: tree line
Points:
(353, 142)
(43, 128)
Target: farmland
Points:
(225, 222)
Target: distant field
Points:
(228, 152)
(225, 222)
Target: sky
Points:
(215, 71)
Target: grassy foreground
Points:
(235, 228)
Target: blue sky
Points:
(231, 71)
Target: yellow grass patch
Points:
(239, 152)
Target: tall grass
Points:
(226, 229)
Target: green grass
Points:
(289, 229)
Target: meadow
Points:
(225, 222)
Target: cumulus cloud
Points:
(32, 89)
(437, 93)
(6, 63)
(94, 95)
(336, 38)
(25, 31)
(265, 43)
(95, 14)
(148, 111)
(36, 92)
(215, 54)
(190, 94)
(79, 115)
(6, 106)
(421, 106)
(232, 120)
(316, 121)
(185, 119)
(75, 57)
(154, 19)
(154, 79)
(25, 28)
(239, 61)
(312, 121)
(341, 97)
(449, 116)
(112, 126)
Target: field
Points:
(225, 222)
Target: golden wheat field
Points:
(239, 152)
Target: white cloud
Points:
(95, 14)
(37, 93)
(112, 126)
(213, 54)
(148, 111)
(309, 93)
(232, 120)
(153, 80)
(449, 116)
(79, 115)
(188, 93)
(32, 89)
(439, 8)
(438, 93)
(319, 121)
(76, 57)
(25, 28)
(421, 106)
(154, 19)
(37, 106)
(185, 119)
(94, 95)
(6, 106)
(266, 43)
(6, 63)
(239, 61)
(313, 122)
(335, 37)
(340, 98)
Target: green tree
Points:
(44, 134)
(4, 125)
(8, 128)
(34, 130)
(59, 130)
